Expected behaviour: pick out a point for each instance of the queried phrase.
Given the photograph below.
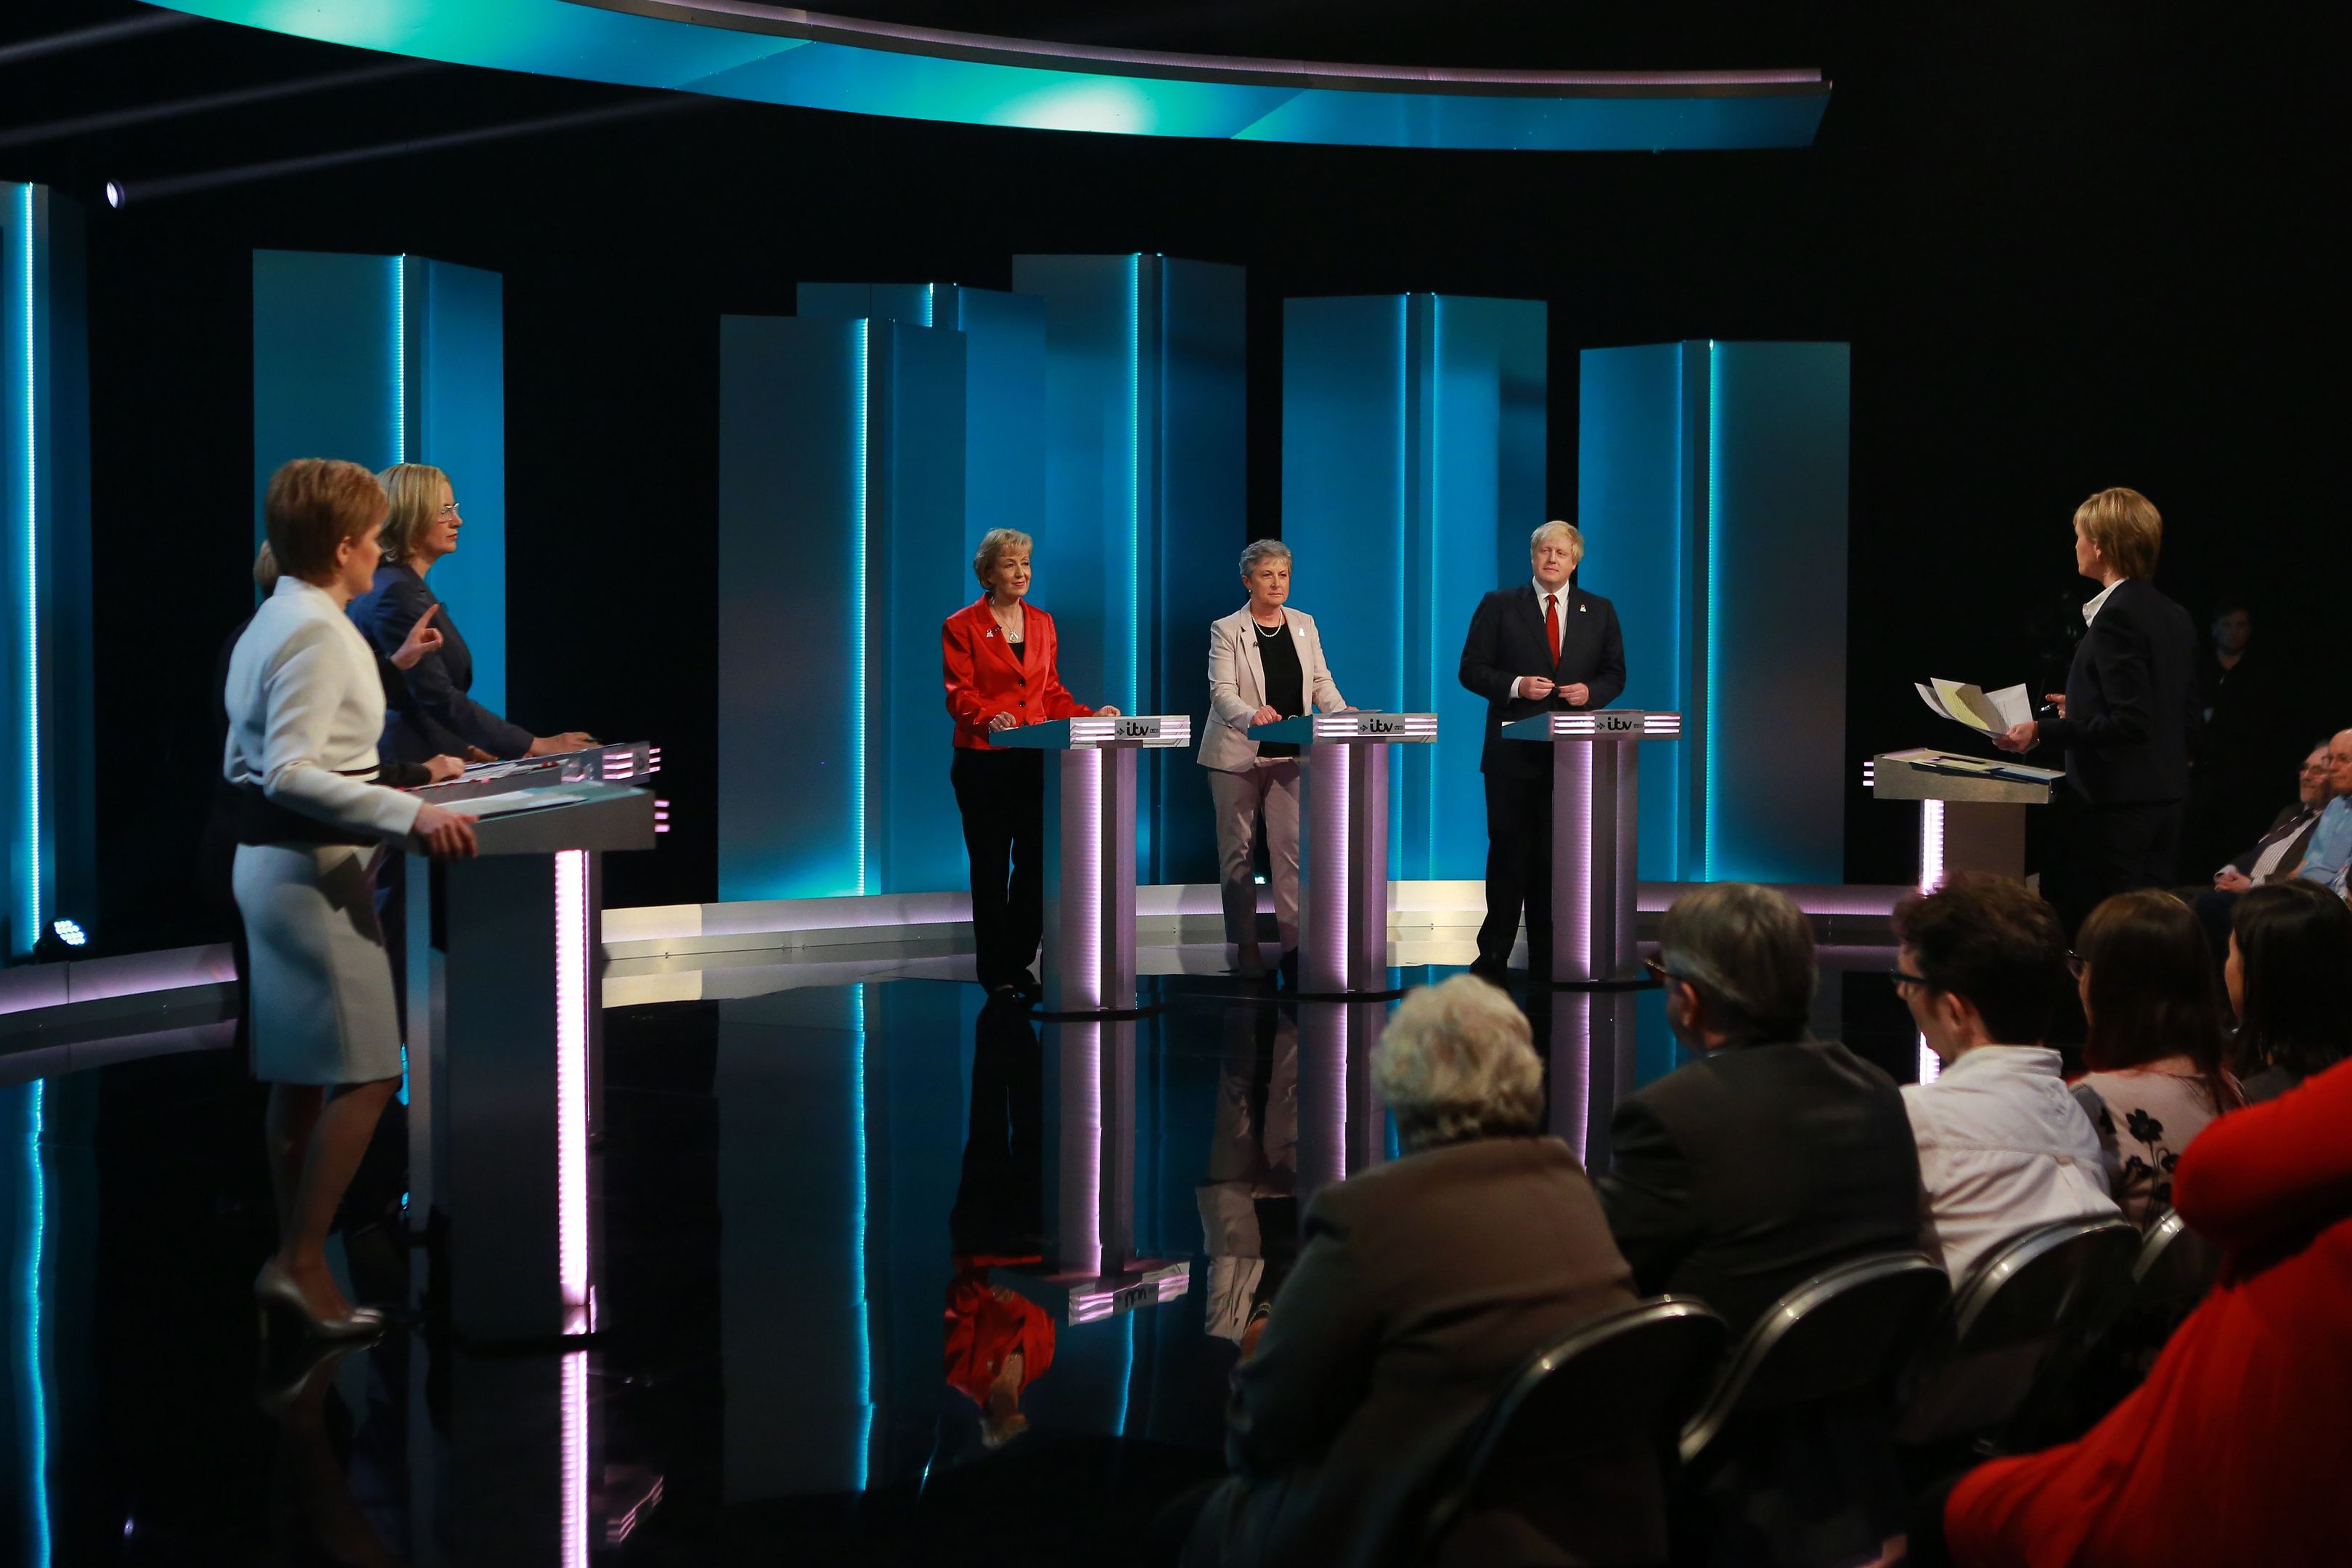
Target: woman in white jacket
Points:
(1266, 662)
(304, 706)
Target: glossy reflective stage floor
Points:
(812, 1208)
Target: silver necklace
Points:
(1269, 633)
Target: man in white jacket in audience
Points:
(2003, 1146)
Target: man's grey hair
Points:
(1455, 1062)
(1262, 549)
(1568, 531)
(1749, 951)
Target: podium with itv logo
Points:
(1595, 806)
(1089, 964)
(1343, 843)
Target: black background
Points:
(2072, 245)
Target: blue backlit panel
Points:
(1413, 472)
(841, 487)
(783, 55)
(1712, 493)
(393, 359)
(45, 700)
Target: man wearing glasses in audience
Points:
(2003, 1146)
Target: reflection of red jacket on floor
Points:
(986, 1327)
(2237, 1447)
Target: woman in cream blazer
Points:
(305, 706)
(1266, 662)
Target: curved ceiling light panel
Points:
(774, 54)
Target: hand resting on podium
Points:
(1007, 721)
(446, 834)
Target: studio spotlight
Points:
(63, 939)
(114, 197)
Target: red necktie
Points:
(1551, 626)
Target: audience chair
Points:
(2015, 1331)
(1846, 1332)
(1586, 1424)
(2175, 1265)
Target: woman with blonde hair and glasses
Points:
(431, 712)
(997, 655)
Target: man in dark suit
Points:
(2127, 716)
(1773, 1155)
(1544, 646)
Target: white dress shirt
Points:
(1557, 600)
(2004, 1147)
(2098, 602)
(305, 708)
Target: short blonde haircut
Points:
(1455, 1062)
(414, 490)
(313, 505)
(2127, 527)
(1575, 540)
(994, 545)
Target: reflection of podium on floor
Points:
(1343, 1125)
(1090, 839)
(1343, 843)
(1596, 796)
(1091, 1269)
(1972, 809)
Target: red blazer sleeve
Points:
(965, 700)
(2271, 1169)
(1059, 703)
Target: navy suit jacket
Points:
(1507, 641)
(428, 713)
(2131, 700)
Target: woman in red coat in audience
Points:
(2237, 1447)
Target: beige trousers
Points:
(1267, 790)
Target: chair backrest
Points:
(1846, 1331)
(2175, 1268)
(2020, 1321)
(1628, 1378)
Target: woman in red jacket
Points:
(999, 657)
(2235, 1447)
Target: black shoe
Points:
(1494, 972)
(1288, 970)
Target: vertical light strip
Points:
(571, 1528)
(1680, 597)
(864, 371)
(1134, 477)
(862, 1308)
(1714, 568)
(571, 1005)
(36, 1490)
(1429, 576)
(30, 889)
(400, 359)
(1404, 534)
(930, 304)
(1931, 877)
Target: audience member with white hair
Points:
(1421, 1286)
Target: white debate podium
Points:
(505, 1031)
(1343, 843)
(1972, 809)
(1596, 799)
(1089, 871)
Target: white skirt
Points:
(320, 994)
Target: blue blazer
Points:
(428, 713)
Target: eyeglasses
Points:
(1662, 973)
(1903, 977)
(449, 510)
(2076, 963)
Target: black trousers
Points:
(1519, 868)
(1002, 795)
(2114, 849)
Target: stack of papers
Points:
(1988, 713)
